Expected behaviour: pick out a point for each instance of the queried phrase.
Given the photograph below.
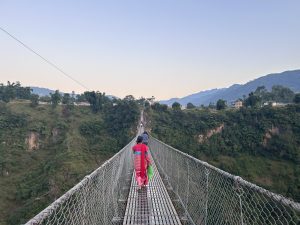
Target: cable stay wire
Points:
(43, 58)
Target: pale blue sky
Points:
(160, 47)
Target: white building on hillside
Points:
(237, 104)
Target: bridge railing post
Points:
(188, 186)
(165, 161)
(171, 165)
(86, 191)
(116, 173)
(206, 171)
(103, 196)
(178, 175)
(239, 192)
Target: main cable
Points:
(43, 58)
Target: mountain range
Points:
(46, 92)
(42, 91)
(290, 79)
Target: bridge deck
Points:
(151, 205)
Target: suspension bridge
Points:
(184, 190)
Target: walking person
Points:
(145, 136)
(141, 162)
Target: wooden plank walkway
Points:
(150, 205)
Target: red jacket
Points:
(141, 159)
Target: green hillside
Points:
(46, 150)
(261, 145)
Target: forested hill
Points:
(260, 144)
(46, 149)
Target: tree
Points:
(8, 92)
(92, 98)
(22, 92)
(297, 98)
(129, 98)
(176, 106)
(97, 100)
(190, 106)
(45, 99)
(119, 118)
(147, 105)
(262, 92)
(252, 100)
(221, 104)
(2, 91)
(14, 91)
(141, 101)
(34, 100)
(211, 105)
(66, 99)
(55, 98)
(81, 98)
(68, 102)
(282, 94)
(159, 107)
(73, 95)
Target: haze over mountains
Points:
(290, 79)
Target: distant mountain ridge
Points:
(46, 92)
(42, 91)
(290, 79)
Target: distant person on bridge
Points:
(141, 162)
(145, 136)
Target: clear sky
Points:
(165, 48)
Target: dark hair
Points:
(145, 132)
(139, 139)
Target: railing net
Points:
(96, 199)
(211, 196)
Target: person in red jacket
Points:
(141, 162)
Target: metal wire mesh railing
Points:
(97, 199)
(208, 195)
(205, 194)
